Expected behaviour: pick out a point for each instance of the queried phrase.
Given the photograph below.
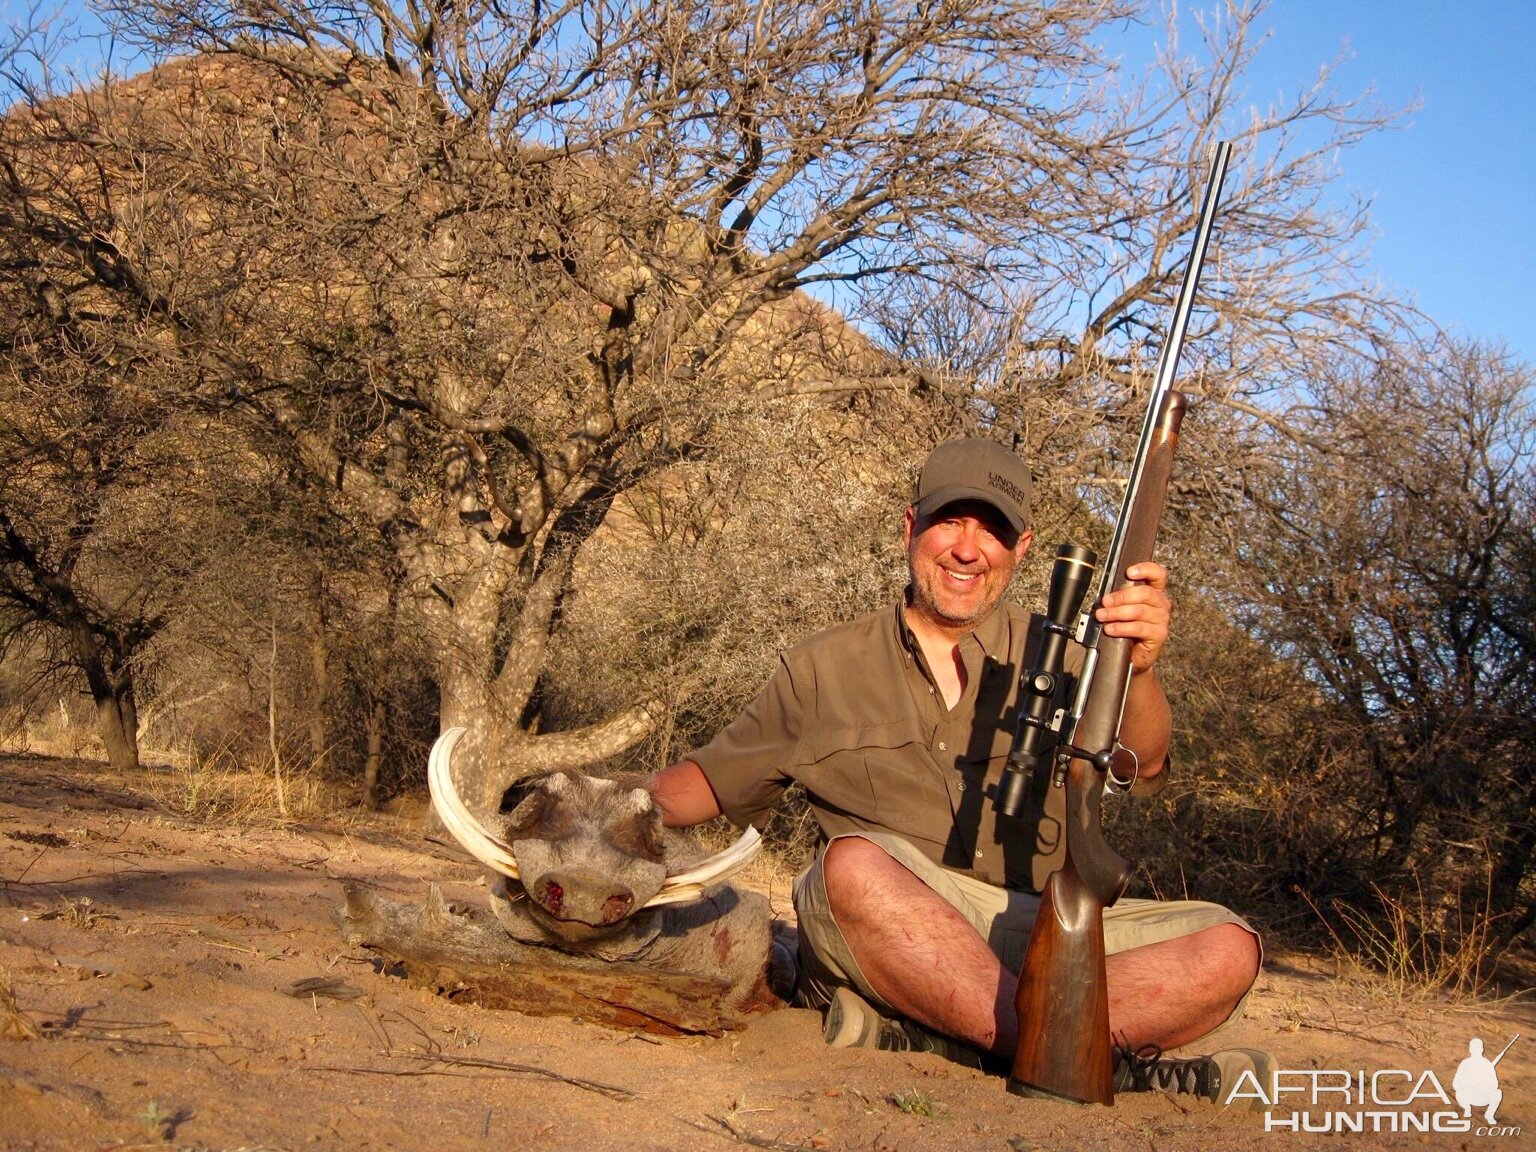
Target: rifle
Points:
(1065, 1048)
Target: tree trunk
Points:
(486, 690)
(375, 727)
(110, 680)
(465, 703)
(273, 743)
(320, 678)
(117, 720)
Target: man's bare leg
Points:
(1174, 992)
(917, 952)
(926, 960)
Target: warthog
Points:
(584, 864)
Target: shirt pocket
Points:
(883, 773)
(981, 764)
(1039, 830)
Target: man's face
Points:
(961, 559)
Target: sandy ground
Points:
(151, 953)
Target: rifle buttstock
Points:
(1064, 980)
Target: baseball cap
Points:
(975, 469)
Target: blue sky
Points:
(1453, 189)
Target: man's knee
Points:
(1231, 957)
(1242, 946)
(848, 866)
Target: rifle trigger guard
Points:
(1115, 784)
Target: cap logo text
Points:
(1006, 485)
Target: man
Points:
(916, 913)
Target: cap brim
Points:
(932, 502)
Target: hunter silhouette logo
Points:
(1476, 1083)
(1386, 1100)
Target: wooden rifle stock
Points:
(1065, 1049)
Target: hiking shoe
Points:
(1215, 1077)
(852, 1022)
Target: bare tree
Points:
(1390, 568)
(489, 271)
(1059, 357)
(88, 568)
(1353, 669)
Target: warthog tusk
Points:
(496, 854)
(492, 851)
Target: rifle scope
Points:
(1044, 689)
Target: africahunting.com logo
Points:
(1387, 1100)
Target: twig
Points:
(429, 1045)
(1352, 1032)
(612, 1091)
(742, 1136)
(134, 1042)
(217, 942)
(41, 853)
(379, 1033)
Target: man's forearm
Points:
(683, 793)
(1147, 725)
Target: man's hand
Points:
(1140, 610)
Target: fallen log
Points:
(464, 955)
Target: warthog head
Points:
(589, 852)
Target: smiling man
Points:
(916, 912)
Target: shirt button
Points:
(943, 747)
(930, 690)
(978, 853)
(960, 787)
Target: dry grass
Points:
(1414, 949)
(773, 869)
(82, 913)
(213, 788)
(14, 1023)
(213, 793)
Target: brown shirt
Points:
(854, 715)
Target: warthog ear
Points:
(534, 810)
(525, 814)
(639, 831)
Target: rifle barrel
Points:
(1168, 362)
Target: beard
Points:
(957, 609)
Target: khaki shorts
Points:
(1003, 919)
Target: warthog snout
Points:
(582, 895)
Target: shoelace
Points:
(1144, 1070)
